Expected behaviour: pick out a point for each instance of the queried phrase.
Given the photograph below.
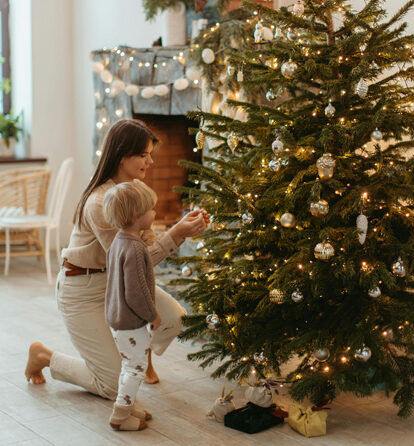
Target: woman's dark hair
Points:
(127, 137)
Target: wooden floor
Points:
(59, 414)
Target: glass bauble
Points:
(298, 9)
(277, 296)
(297, 296)
(200, 139)
(363, 354)
(232, 141)
(287, 220)
(325, 165)
(376, 135)
(270, 95)
(321, 354)
(361, 89)
(319, 208)
(330, 110)
(274, 165)
(398, 268)
(374, 292)
(212, 321)
(324, 251)
(289, 69)
(277, 146)
(247, 218)
(186, 271)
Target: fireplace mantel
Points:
(142, 67)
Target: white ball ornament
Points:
(267, 34)
(193, 74)
(161, 90)
(131, 90)
(186, 271)
(289, 69)
(374, 292)
(376, 135)
(148, 92)
(106, 76)
(321, 354)
(297, 296)
(287, 220)
(181, 84)
(98, 67)
(118, 85)
(208, 55)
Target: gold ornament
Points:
(324, 251)
(200, 139)
(319, 208)
(277, 296)
(325, 165)
(232, 141)
(287, 220)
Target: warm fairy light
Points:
(312, 368)
(298, 376)
(326, 369)
(300, 266)
(344, 359)
(364, 196)
(342, 120)
(98, 153)
(375, 229)
(99, 125)
(245, 358)
(364, 266)
(343, 92)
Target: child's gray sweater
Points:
(130, 290)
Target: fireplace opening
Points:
(175, 144)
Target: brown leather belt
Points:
(78, 271)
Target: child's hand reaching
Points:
(156, 323)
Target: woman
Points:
(81, 282)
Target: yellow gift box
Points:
(306, 421)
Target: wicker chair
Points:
(23, 192)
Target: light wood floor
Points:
(59, 414)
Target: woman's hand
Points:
(192, 224)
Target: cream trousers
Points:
(81, 300)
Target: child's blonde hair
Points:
(127, 201)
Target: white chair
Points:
(49, 221)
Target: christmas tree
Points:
(309, 256)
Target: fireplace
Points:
(175, 144)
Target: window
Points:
(5, 102)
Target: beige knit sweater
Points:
(89, 243)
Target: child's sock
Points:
(122, 419)
(140, 413)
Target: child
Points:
(129, 300)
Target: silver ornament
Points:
(230, 70)
(277, 146)
(291, 34)
(298, 9)
(274, 165)
(258, 33)
(259, 357)
(186, 271)
(324, 251)
(321, 354)
(398, 268)
(200, 245)
(212, 321)
(363, 354)
(232, 141)
(330, 110)
(376, 135)
(319, 208)
(279, 33)
(240, 76)
(325, 165)
(289, 69)
(374, 292)
(361, 89)
(287, 220)
(277, 296)
(247, 218)
(362, 226)
(297, 296)
(270, 95)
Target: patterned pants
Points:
(132, 346)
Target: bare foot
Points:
(150, 376)
(39, 357)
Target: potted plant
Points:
(9, 131)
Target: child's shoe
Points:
(123, 420)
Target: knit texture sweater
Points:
(90, 242)
(130, 291)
